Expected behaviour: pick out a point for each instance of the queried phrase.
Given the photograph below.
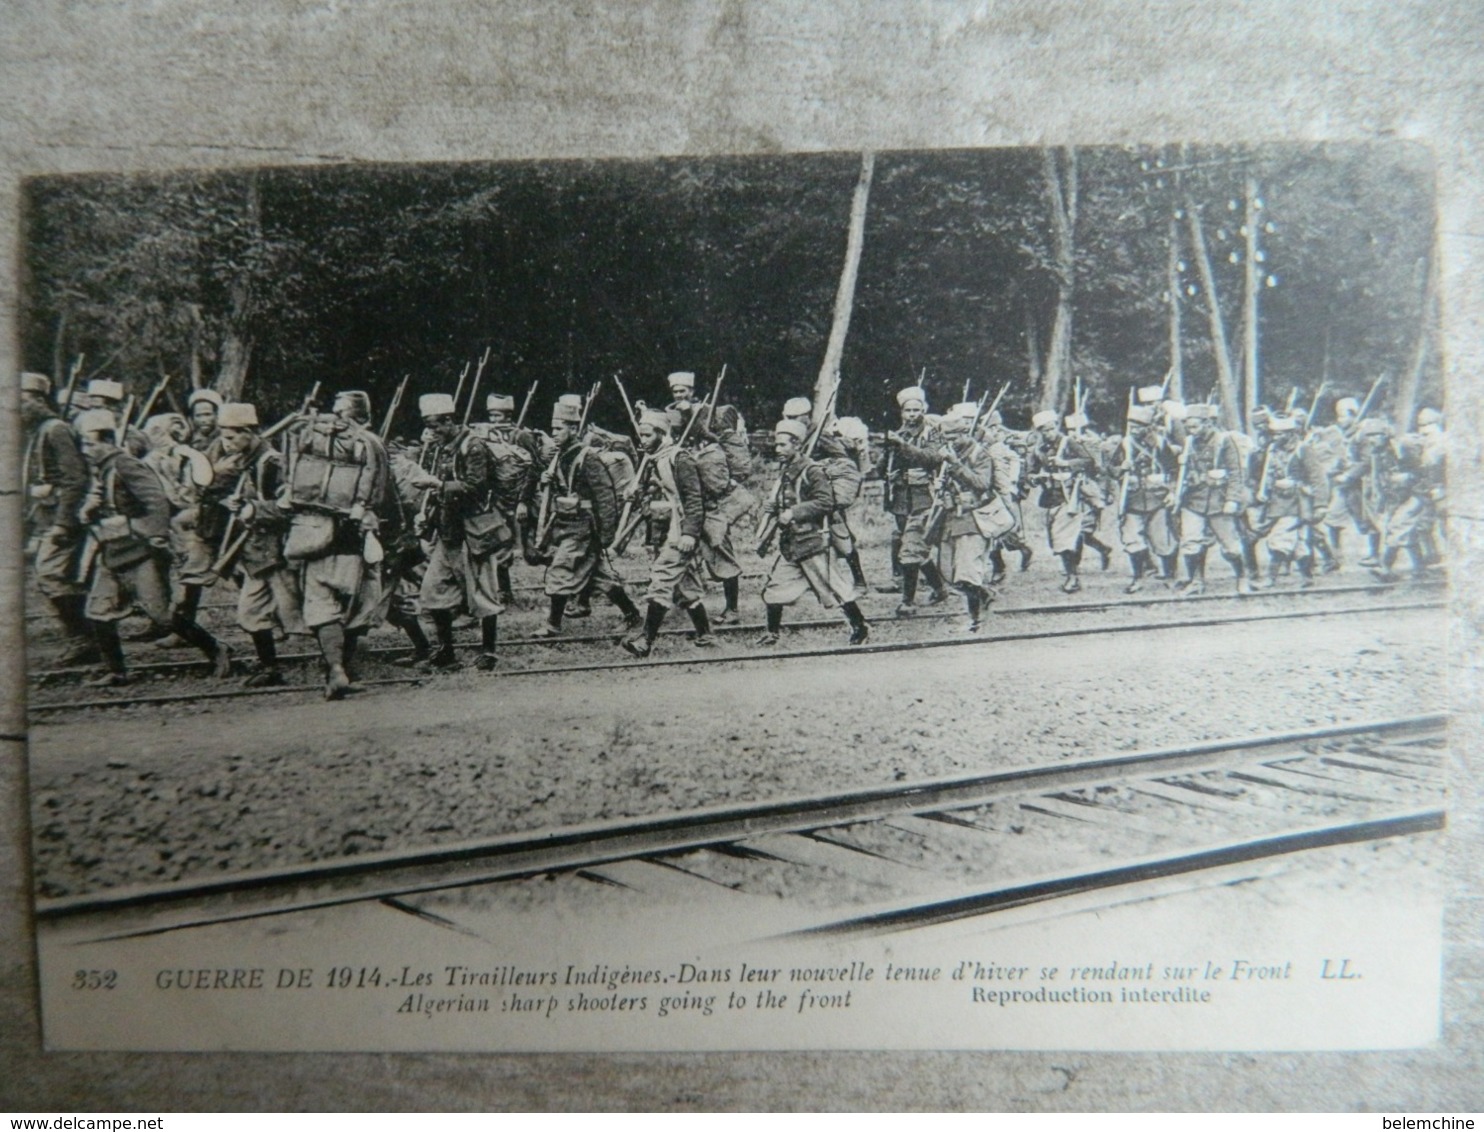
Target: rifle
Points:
(627, 404)
(149, 402)
(225, 558)
(1292, 397)
(65, 401)
(126, 414)
(458, 390)
(770, 524)
(1128, 455)
(939, 507)
(1180, 479)
(1262, 480)
(237, 491)
(303, 411)
(391, 410)
(628, 522)
(707, 407)
(474, 389)
(1365, 406)
(526, 404)
(1314, 406)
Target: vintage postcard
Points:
(986, 599)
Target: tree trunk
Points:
(1032, 348)
(1423, 351)
(1251, 388)
(59, 350)
(1224, 381)
(1176, 383)
(829, 370)
(237, 340)
(1061, 197)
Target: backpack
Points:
(329, 466)
(845, 478)
(620, 470)
(715, 471)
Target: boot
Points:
(488, 633)
(898, 575)
(83, 648)
(997, 566)
(331, 639)
(1276, 565)
(410, 625)
(702, 623)
(553, 626)
(112, 650)
(857, 571)
(934, 577)
(1139, 561)
(974, 601)
(1372, 557)
(775, 626)
(730, 589)
(1105, 552)
(1328, 549)
(1306, 573)
(1386, 569)
(632, 619)
(860, 631)
(1070, 583)
(639, 644)
(1167, 568)
(1244, 581)
(216, 652)
(1195, 576)
(267, 673)
(908, 607)
(502, 579)
(582, 604)
(445, 659)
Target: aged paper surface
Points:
(934, 1019)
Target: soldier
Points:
(1291, 486)
(1212, 491)
(1336, 443)
(406, 564)
(1361, 487)
(468, 533)
(1009, 476)
(801, 506)
(130, 520)
(186, 475)
(515, 476)
(1062, 467)
(204, 405)
(105, 393)
(579, 519)
(676, 506)
(337, 475)
(56, 481)
(843, 458)
(1416, 489)
(1145, 464)
(268, 596)
(972, 511)
(1083, 438)
(907, 464)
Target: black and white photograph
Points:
(974, 598)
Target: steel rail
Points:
(393, 873)
(771, 655)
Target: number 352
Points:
(95, 980)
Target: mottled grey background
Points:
(154, 84)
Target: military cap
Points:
(1282, 424)
(435, 405)
(795, 429)
(103, 387)
(1150, 394)
(1347, 405)
(1374, 426)
(966, 409)
(358, 400)
(95, 420)
(912, 394)
(210, 395)
(1076, 420)
(797, 407)
(573, 400)
(657, 418)
(1043, 418)
(499, 401)
(1202, 411)
(1428, 416)
(851, 428)
(238, 414)
(36, 383)
(954, 424)
(681, 380)
(564, 412)
(1141, 414)
(1175, 410)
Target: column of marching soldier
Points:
(328, 529)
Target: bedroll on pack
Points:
(329, 467)
(620, 470)
(845, 478)
(715, 471)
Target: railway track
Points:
(905, 857)
(772, 655)
(470, 643)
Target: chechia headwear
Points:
(210, 395)
(1428, 416)
(238, 414)
(797, 407)
(1043, 418)
(435, 405)
(1201, 411)
(159, 428)
(36, 383)
(1346, 405)
(95, 420)
(1374, 426)
(681, 380)
(357, 402)
(912, 395)
(966, 409)
(953, 424)
(102, 387)
(1175, 410)
(564, 412)
(1141, 414)
(656, 418)
(1282, 424)
(852, 428)
(1076, 420)
(499, 402)
(1150, 394)
(573, 400)
(795, 429)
